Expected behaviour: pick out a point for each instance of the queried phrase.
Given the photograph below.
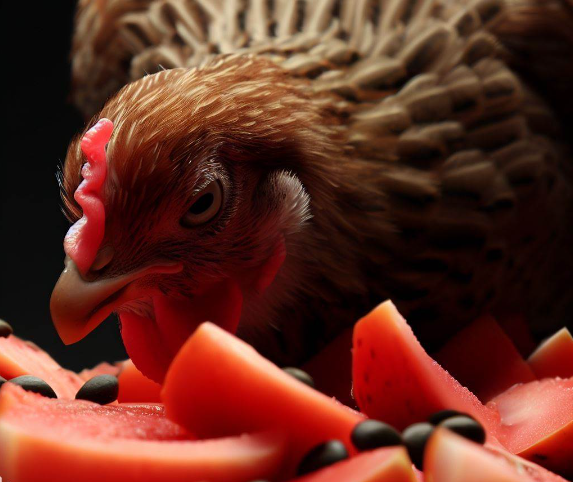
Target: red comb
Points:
(85, 236)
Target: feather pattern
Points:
(452, 176)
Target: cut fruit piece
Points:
(396, 381)
(537, 422)
(135, 387)
(451, 458)
(382, 465)
(69, 441)
(19, 357)
(483, 358)
(331, 369)
(218, 385)
(554, 357)
(518, 331)
(103, 368)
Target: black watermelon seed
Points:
(415, 438)
(102, 389)
(442, 415)
(34, 384)
(2, 381)
(372, 434)
(466, 427)
(322, 455)
(5, 329)
(300, 375)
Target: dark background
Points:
(39, 122)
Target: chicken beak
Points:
(78, 306)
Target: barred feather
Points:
(437, 167)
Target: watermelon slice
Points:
(554, 357)
(396, 381)
(451, 458)
(382, 465)
(537, 422)
(103, 368)
(483, 358)
(218, 385)
(19, 357)
(71, 441)
(135, 387)
(331, 369)
(517, 328)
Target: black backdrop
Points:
(37, 126)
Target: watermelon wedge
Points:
(135, 387)
(19, 357)
(218, 386)
(483, 358)
(537, 422)
(451, 458)
(554, 357)
(382, 465)
(396, 381)
(516, 327)
(331, 369)
(71, 441)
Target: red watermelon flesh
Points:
(554, 357)
(517, 328)
(396, 381)
(135, 387)
(19, 357)
(103, 368)
(381, 465)
(70, 441)
(483, 358)
(537, 422)
(331, 369)
(451, 458)
(218, 386)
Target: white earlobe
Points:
(293, 201)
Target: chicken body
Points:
(394, 149)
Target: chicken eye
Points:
(205, 207)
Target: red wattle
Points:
(153, 344)
(85, 236)
(144, 345)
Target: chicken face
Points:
(202, 200)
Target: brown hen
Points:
(411, 149)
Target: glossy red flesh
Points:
(219, 386)
(71, 441)
(451, 458)
(381, 465)
(554, 357)
(537, 422)
(482, 358)
(19, 357)
(134, 387)
(396, 381)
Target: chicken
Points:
(291, 164)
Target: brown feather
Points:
(437, 174)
